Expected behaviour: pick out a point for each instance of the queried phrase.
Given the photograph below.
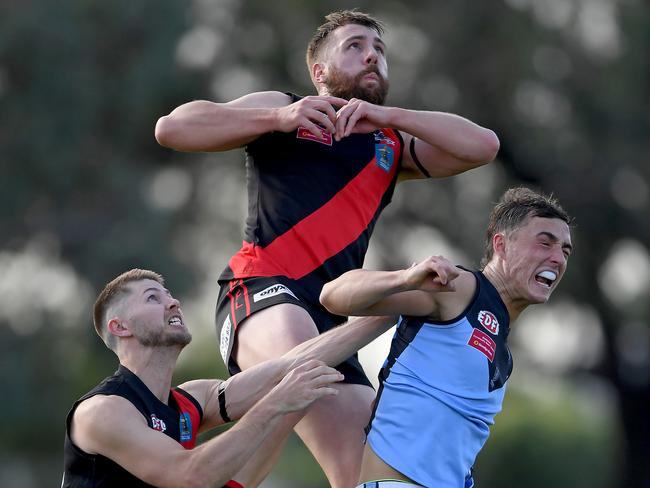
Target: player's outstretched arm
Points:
(235, 396)
(229, 400)
(207, 126)
(338, 344)
(411, 291)
(111, 426)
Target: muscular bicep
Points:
(113, 427)
(414, 302)
(203, 125)
(267, 99)
(423, 160)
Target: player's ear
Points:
(117, 327)
(318, 72)
(499, 244)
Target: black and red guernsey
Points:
(313, 203)
(179, 419)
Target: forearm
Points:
(338, 344)
(357, 290)
(218, 460)
(208, 126)
(245, 389)
(451, 133)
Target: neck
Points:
(497, 277)
(154, 366)
(322, 91)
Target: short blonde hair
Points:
(115, 290)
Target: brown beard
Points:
(159, 338)
(342, 85)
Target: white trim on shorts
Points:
(388, 484)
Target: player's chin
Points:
(540, 298)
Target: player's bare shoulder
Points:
(452, 304)
(93, 417)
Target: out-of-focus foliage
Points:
(542, 442)
(87, 194)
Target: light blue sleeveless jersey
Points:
(440, 388)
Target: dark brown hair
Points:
(334, 21)
(513, 210)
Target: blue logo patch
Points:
(185, 427)
(384, 156)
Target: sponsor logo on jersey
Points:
(325, 137)
(224, 339)
(384, 156)
(185, 425)
(157, 424)
(272, 291)
(489, 321)
(482, 342)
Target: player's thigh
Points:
(333, 427)
(271, 332)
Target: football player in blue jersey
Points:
(445, 375)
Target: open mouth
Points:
(546, 278)
(175, 321)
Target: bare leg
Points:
(332, 429)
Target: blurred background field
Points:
(88, 193)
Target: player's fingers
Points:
(325, 391)
(352, 121)
(313, 128)
(327, 379)
(341, 119)
(321, 370)
(336, 101)
(324, 119)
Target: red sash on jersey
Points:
(187, 409)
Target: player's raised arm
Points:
(439, 144)
(208, 126)
(410, 291)
(443, 144)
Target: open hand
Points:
(304, 385)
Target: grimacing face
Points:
(536, 258)
(355, 64)
(154, 316)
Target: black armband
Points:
(415, 159)
(221, 396)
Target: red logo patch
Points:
(484, 343)
(489, 321)
(325, 136)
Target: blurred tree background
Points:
(88, 194)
